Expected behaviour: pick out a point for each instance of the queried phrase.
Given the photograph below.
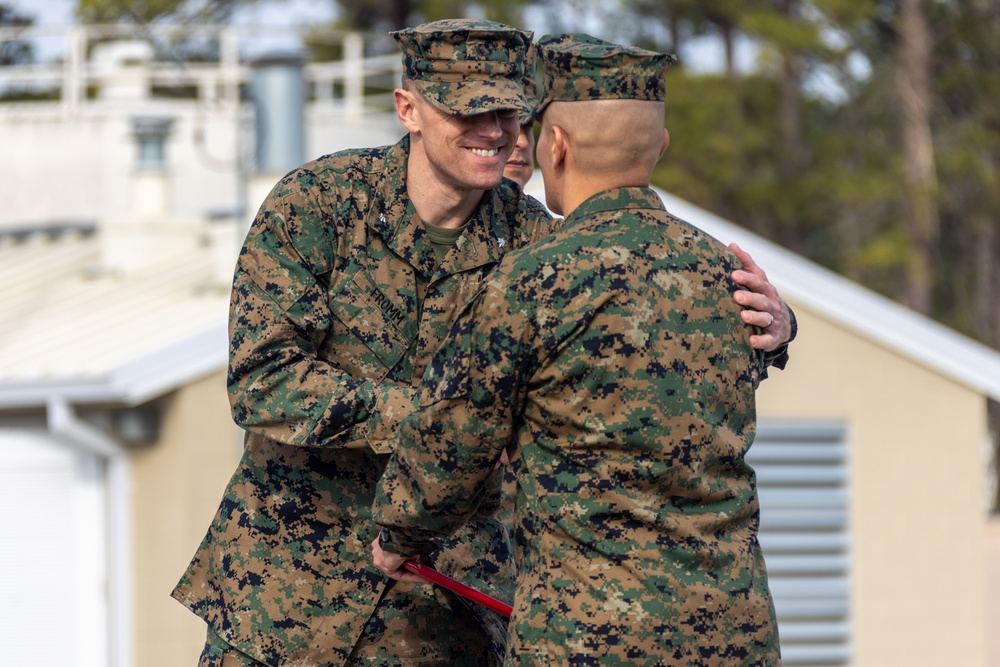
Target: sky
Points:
(286, 12)
(269, 13)
(45, 12)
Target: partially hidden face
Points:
(521, 163)
(468, 152)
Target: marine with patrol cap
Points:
(349, 277)
(611, 362)
(521, 163)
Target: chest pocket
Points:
(368, 331)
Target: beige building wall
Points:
(993, 589)
(917, 490)
(177, 486)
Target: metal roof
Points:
(69, 329)
(857, 308)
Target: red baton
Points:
(456, 586)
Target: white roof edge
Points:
(856, 307)
(134, 381)
(36, 393)
(168, 367)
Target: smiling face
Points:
(521, 164)
(462, 153)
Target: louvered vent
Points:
(803, 487)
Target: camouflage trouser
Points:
(420, 624)
(413, 624)
(217, 653)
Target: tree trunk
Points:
(399, 13)
(985, 295)
(790, 108)
(727, 42)
(790, 116)
(674, 25)
(913, 87)
(789, 121)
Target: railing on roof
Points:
(365, 69)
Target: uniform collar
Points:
(485, 239)
(616, 199)
(393, 217)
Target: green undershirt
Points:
(443, 238)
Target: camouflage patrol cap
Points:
(578, 68)
(466, 66)
(527, 116)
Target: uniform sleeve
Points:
(469, 400)
(279, 315)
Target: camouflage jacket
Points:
(337, 304)
(611, 361)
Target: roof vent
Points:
(149, 186)
(122, 70)
(151, 134)
(279, 103)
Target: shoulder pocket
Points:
(284, 282)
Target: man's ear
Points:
(666, 142)
(560, 147)
(406, 109)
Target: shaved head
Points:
(611, 135)
(587, 147)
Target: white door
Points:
(53, 553)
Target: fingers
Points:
(747, 261)
(773, 330)
(753, 276)
(757, 301)
(763, 308)
(762, 319)
(781, 327)
(768, 338)
(766, 342)
(406, 575)
(389, 563)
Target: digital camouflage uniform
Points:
(337, 304)
(611, 361)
